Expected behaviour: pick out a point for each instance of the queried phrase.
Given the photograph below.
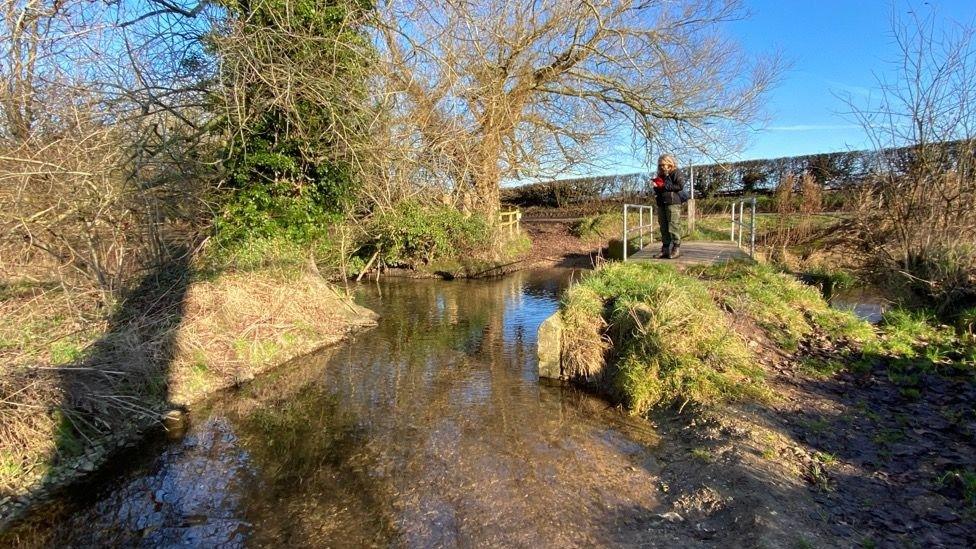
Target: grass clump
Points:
(916, 337)
(672, 344)
(961, 483)
(821, 368)
(785, 308)
(830, 280)
(584, 330)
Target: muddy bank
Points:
(861, 436)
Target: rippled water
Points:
(430, 430)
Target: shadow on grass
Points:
(120, 388)
(895, 441)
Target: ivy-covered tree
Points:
(292, 102)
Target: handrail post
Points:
(652, 224)
(640, 221)
(625, 234)
(752, 232)
(732, 236)
(742, 216)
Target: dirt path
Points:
(894, 451)
(554, 245)
(850, 460)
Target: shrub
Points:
(275, 209)
(412, 234)
(944, 277)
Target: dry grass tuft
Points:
(242, 324)
(73, 377)
(584, 333)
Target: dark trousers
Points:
(668, 217)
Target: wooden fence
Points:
(510, 222)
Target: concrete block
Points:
(550, 347)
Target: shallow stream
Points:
(432, 429)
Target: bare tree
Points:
(491, 90)
(917, 216)
(101, 136)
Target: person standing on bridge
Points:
(667, 188)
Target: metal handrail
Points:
(640, 226)
(750, 226)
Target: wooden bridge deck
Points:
(693, 253)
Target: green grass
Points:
(256, 353)
(966, 321)
(826, 458)
(600, 227)
(830, 280)
(199, 376)
(966, 480)
(710, 227)
(888, 436)
(916, 339)
(672, 343)
(821, 368)
(11, 468)
(66, 352)
(785, 308)
(719, 226)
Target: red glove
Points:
(658, 182)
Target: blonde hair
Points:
(667, 161)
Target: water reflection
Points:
(431, 429)
(867, 303)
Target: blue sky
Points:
(834, 47)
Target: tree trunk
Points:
(487, 179)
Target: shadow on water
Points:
(431, 429)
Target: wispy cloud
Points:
(841, 88)
(812, 127)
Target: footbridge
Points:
(639, 228)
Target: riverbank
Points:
(79, 385)
(74, 393)
(786, 423)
